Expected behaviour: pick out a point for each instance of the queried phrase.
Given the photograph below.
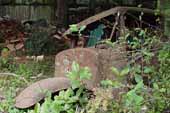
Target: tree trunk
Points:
(61, 13)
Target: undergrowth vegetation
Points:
(141, 87)
(14, 76)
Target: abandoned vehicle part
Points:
(113, 11)
(118, 22)
(99, 62)
(37, 91)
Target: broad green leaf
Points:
(72, 75)
(37, 108)
(82, 28)
(79, 92)
(75, 84)
(74, 28)
(85, 73)
(138, 99)
(155, 86)
(109, 43)
(140, 85)
(162, 90)
(142, 33)
(75, 67)
(138, 78)
(125, 71)
(106, 83)
(68, 93)
(133, 99)
(147, 53)
(147, 70)
(115, 71)
(5, 50)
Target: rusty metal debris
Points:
(98, 60)
(119, 13)
(37, 91)
(113, 11)
(84, 57)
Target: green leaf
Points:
(140, 85)
(68, 93)
(142, 33)
(82, 28)
(37, 108)
(162, 90)
(133, 99)
(5, 50)
(109, 43)
(148, 70)
(72, 75)
(155, 86)
(147, 53)
(85, 73)
(74, 28)
(138, 78)
(138, 99)
(79, 92)
(106, 83)
(75, 84)
(115, 71)
(75, 67)
(125, 71)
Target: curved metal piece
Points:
(37, 91)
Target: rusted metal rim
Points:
(37, 91)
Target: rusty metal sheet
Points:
(85, 57)
(37, 91)
(98, 60)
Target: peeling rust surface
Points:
(99, 61)
(37, 91)
(85, 57)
